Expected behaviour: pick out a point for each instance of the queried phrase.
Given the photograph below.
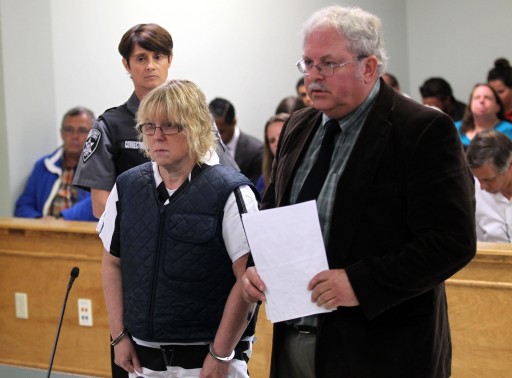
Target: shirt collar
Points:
(233, 142)
(158, 179)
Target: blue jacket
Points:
(504, 127)
(41, 187)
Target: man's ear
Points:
(371, 65)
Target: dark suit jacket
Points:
(248, 155)
(403, 222)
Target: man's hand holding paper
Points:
(288, 250)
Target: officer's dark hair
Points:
(151, 37)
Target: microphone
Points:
(74, 274)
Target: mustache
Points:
(316, 86)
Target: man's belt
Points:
(304, 328)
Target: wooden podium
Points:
(480, 309)
(36, 258)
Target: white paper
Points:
(288, 250)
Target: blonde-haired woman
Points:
(175, 247)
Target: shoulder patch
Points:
(91, 144)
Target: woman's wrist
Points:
(220, 358)
(118, 338)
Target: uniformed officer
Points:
(112, 146)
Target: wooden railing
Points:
(36, 258)
(480, 309)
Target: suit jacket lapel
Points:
(295, 140)
(359, 173)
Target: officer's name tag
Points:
(132, 145)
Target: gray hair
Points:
(361, 29)
(76, 111)
(490, 146)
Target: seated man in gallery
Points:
(490, 159)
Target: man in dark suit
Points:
(396, 211)
(245, 149)
(437, 92)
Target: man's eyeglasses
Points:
(70, 130)
(324, 68)
(149, 128)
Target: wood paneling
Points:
(37, 256)
(480, 309)
(259, 364)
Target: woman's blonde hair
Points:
(181, 102)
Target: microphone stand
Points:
(74, 273)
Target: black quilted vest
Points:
(125, 142)
(176, 271)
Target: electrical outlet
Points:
(85, 312)
(21, 301)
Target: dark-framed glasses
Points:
(149, 128)
(324, 68)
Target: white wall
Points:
(27, 114)
(244, 51)
(59, 53)
(458, 40)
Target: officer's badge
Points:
(91, 144)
